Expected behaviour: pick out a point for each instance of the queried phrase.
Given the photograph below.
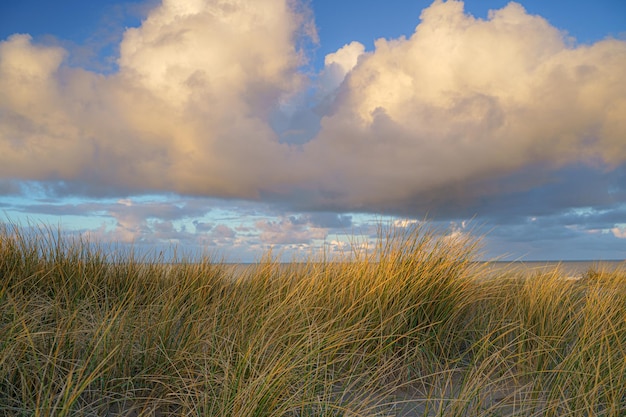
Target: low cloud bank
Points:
(453, 119)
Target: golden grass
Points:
(412, 328)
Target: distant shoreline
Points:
(574, 269)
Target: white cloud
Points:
(189, 51)
(404, 223)
(337, 65)
(346, 57)
(619, 232)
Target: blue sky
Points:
(229, 127)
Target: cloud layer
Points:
(187, 111)
(454, 119)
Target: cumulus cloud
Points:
(336, 66)
(441, 116)
(187, 111)
(453, 118)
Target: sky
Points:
(232, 127)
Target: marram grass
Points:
(413, 327)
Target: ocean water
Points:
(570, 269)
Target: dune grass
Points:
(413, 327)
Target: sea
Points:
(569, 269)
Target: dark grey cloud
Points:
(534, 191)
(543, 241)
(164, 210)
(202, 227)
(330, 220)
